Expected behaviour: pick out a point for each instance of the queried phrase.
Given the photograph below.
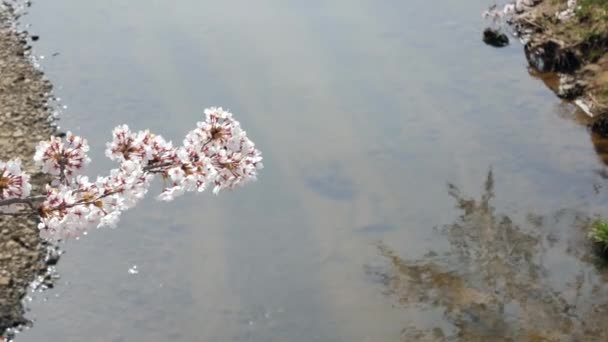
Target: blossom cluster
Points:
(69, 210)
(62, 157)
(14, 184)
(217, 153)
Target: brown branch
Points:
(27, 200)
(150, 168)
(21, 213)
(62, 178)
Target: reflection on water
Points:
(330, 181)
(501, 279)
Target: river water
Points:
(419, 185)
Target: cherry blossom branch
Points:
(217, 154)
(30, 201)
(87, 202)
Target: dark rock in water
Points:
(35, 38)
(495, 38)
(549, 56)
(53, 256)
(600, 126)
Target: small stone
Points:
(4, 280)
(495, 38)
(569, 88)
(53, 257)
(18, 133)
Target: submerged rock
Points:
(494, 37)
(570, 88)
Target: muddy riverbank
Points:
(570, 38)
(24, 112)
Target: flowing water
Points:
(419, 185)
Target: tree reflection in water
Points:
(501, 282)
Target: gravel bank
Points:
(24, 109)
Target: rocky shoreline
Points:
(569, 38)
(24, 117)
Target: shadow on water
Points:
(503, 281)
(600, 144)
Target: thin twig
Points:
(531, 23)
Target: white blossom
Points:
(59, 155)
(142, 147)
(192, 172)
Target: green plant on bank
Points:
(595, 54)
(589, 27)
(604, 92)
(599, 232)
(594, 9)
